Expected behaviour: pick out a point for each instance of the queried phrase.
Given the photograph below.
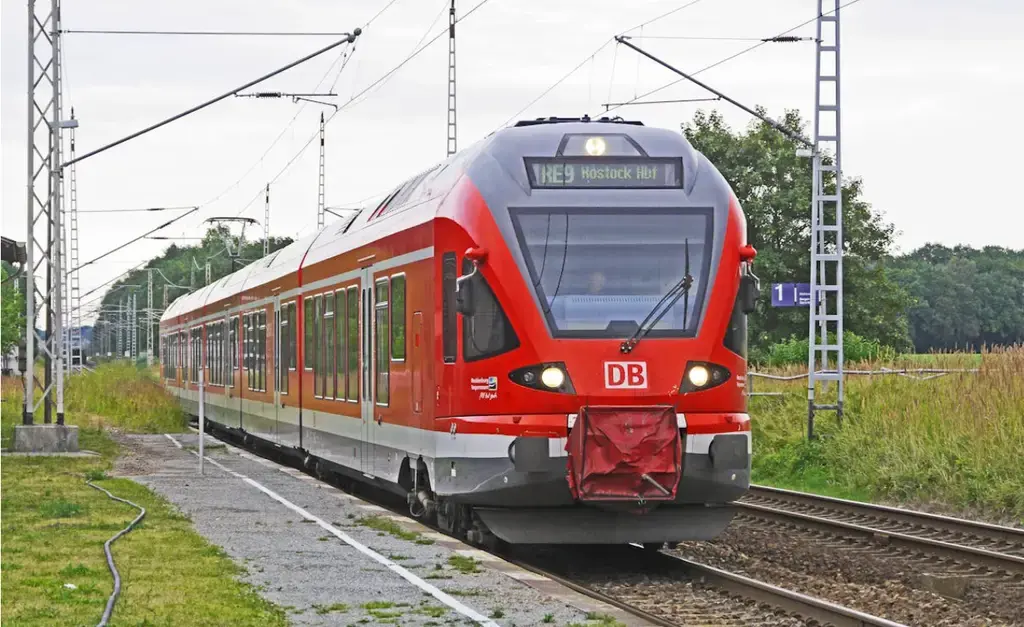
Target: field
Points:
(953, 443)
(54, 525)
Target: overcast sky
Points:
(932, 91)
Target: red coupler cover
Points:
(625, 453)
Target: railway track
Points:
(659, 588)
(992, 546)
(665, 589)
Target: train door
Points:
(366, 395)
(275, 370)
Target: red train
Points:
(541, 339)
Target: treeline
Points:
(962, 298)
(935, 298)
(181, 269)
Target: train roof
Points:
(538, 137)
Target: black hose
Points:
(110, 558)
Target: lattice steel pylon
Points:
(74, 302)
(133, 325)
(825, 345)
(266, 223)
(452, 128)
(149, 320)
(43, 241)
(320, 197)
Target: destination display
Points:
(604, 172)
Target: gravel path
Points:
(318, 578)
(866, 576)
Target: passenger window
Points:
(398, 317)
(353, 344)
(449, 338)
(487, 332)
(307, 333)
(383, 364)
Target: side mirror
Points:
(464, 285)
(750, 291)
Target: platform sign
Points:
(791, 294)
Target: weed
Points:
(953, 440)
(387, 526)
(497, 613)
(463, 564)
(398, 558)
(458, 592)
(333, 607)
(433, 611)
(71, 571)
(59, 508)
(323, 538)
(548, 618)
(603, 620)
(95, 474)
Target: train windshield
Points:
(599, 272)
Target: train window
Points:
(292, 334)
(353, 344)
(233, 344)
(317, 355)
(307, 333)
(380, 329)
(487, 332)
(261, 334)
(246, 352)
(211, 375)
(281, 360)
(327, 348)
(448, 320)
(340, 318)
(398, 317)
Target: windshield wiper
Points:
(681, 288)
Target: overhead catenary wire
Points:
(132, 241)
(380, 81)
(732, 56)
(216, 33)
(136, 210)
(590, 58)
(347, 39)
(343, 58)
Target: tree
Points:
(773, 186)
(962, 297)
(12, 311)
(184, 266)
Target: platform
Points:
(309, 546)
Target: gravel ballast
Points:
(318, 578)
(870, 577)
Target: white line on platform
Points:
(435, 592)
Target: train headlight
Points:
(698, 376)
(596, 146)
(552, 377)
(702, 375)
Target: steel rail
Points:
(993, 559)
(589, 592)
(1011, 535)
(801, 604)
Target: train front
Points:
(602, 286)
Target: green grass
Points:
(463, 564)
(955, 441)
(388, 526)
(54, 525)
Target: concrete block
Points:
(948, 585)
(45, 438)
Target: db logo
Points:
(625, 374)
